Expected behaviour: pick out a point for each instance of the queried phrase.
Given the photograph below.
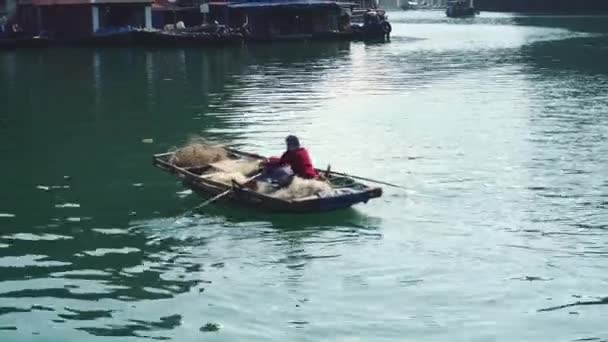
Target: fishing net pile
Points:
(227, 177)
(243, 166)
(299, 188)
(198, 154)
(225, 170)
(237, 170)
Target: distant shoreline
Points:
(550, 13)
(563, 7)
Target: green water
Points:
(497, 126)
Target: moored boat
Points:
(375, 26)
(461, 9)
(409, 5)
(342, 192)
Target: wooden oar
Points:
(220, 195)
(367, 179)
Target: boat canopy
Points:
(284, 3)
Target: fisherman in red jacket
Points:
(294, 162)
(298, 158)
(281, 171)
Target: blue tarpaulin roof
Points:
(283, 3)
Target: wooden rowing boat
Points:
(345, 193)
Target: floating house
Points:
(72, 19)
(285, 19)
(170, 12)
(193, 22)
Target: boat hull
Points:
(345, 198)
(23, 42)
(156, 38)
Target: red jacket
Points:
(300, 163)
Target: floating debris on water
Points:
(110, 231)
(600, 301)
(104, 251)
(6, 215)
(41, 308)
(298, 323)
(52, 187)
(158, 291)
(184, 193)
(67, 205)
(210, 327)
(60, 187)
(37, 237)
(532, 278)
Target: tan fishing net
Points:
(299, 188)
(225, 170)
(198, 154)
